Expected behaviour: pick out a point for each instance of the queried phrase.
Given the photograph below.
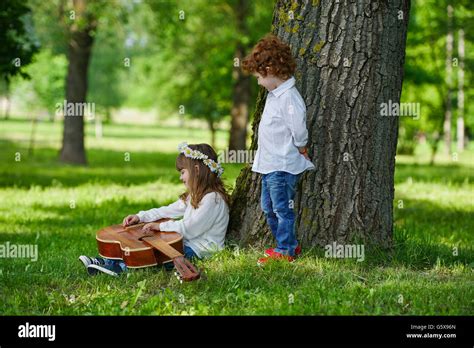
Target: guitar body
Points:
(125, 243)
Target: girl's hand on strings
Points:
(130, 220)
(148, 229)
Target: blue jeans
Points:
(112, 263)
(188, 253)
(278, 193)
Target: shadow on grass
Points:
(426, 235)
(105, 166)
(84, 218)
(420, 243)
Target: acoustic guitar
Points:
(137, 251)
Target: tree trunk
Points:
(434, 147)
(241, 93)
(108, 115)
(31, 147)
(438, 135)
(460, 122)
(212, 128)
(350, 60)
(79, 51)
(449, 73)
(7, 100)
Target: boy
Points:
(282, 136)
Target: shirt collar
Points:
(284, 87)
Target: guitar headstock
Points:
(185, 270)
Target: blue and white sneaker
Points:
(86, 261)
(110, 268)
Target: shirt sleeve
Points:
(295, 112)
(200, 221)
(174, 210)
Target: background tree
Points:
(350, 60)
(426, 67)
(48, 74)
(82, 24)
(108, 64)
(189, 63)
(449, 80)
(241, 92)
(461, 143)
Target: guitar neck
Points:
(162, 246)
(187, 271)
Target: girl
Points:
(204, 208)
(282, 136)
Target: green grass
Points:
(59, 208)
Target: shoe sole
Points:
(267, 255)
(92, 271)
(103, 270)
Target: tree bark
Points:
(241, 92)
(350, 58)
(79, 52)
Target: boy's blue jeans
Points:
(277, 199)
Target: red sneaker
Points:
(275, 256)
(270, 251)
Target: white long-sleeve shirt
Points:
(281, 131)
(203, 229)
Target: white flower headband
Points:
(195, 154)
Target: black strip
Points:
(298, 330)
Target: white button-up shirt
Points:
(281, 131)
(203, 229)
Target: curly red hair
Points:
(273, 53)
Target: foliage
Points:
(425, 74)
(48, 75)
(17, 42)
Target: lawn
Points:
(60, 207)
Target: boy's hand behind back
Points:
(304, 152)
